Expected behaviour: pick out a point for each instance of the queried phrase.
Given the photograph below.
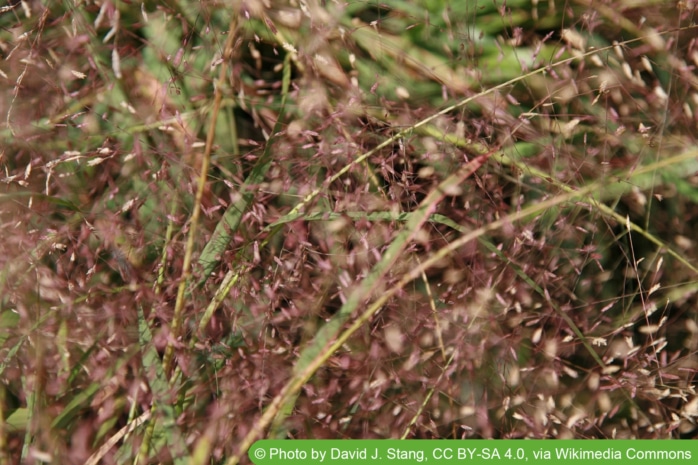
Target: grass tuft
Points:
(396, 220)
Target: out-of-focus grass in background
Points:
(549, 293)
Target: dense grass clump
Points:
(223, 221)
